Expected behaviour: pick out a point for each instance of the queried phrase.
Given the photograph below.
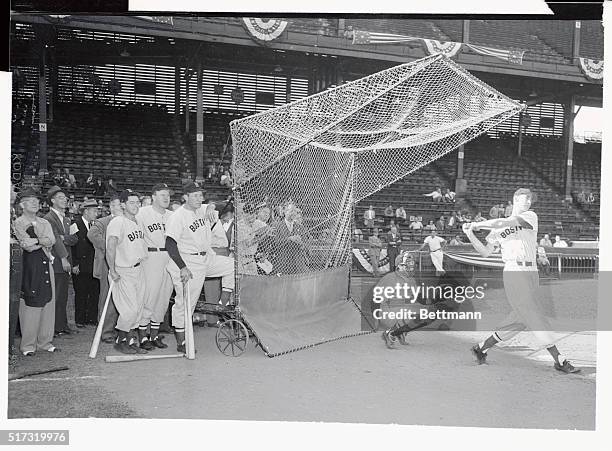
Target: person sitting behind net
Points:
(368, 217)
(436, 195)
(542, 261)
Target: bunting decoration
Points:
(592, 68)
(475, 259)
(370, 37)
(362, 259)
(434, 47)
(448, 49)
(510, 56)
(265, 30)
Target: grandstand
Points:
(117, 89)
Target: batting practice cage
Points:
(299, 170)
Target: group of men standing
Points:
(138, 253)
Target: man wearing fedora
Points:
(62, 256)
(86, 286)
(37, 308)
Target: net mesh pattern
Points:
(300, 168)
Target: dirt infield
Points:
(433, 381)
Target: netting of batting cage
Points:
(299, 169)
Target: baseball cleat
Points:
(390, 340)
(158, 343)
(566, 368)
(146, 345)
(134, 345)
(124, 348)
(181, 348)
(481, 357)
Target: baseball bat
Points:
(189, 343)
(15, 376)
(96, 341)
(133, 358)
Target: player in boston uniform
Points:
(516, 235)
(188, 242)
(158, 285)
(125, 252)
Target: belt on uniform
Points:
(524, 263)
(156, 249)
(199, 253)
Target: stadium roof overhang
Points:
(186, 28)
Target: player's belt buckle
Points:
(199, 253)
(156, 249)
(524, 263)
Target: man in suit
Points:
(86, 286)
(62, 255)
(291, 252)
(97, 236)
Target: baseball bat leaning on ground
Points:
(189, 343)
(96, 341)
(133, 358)
(15, 376)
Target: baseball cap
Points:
(123, 197)
(192, 187)
(159, 187)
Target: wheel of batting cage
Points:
(232, 338)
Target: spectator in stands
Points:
(590, 198)
(212, 171)
(494, 212)
(559, 242)
(452, 221)
(416, 225)
(111, 187)
(400, 215)
(436, 195)
(175, 205)
(37, 307)
(449, 196)
(441, 224)
(582, 197)
(91, 181)
(73, 207)
(146, 201)
(368, 217)
(374, 251)
(545, 241)
(479, 217)
(226, 180)
(58, 178)
(99, 190)
(457, 241)
(542, 261)
(508, 210)
(430, 226)
(389, 213)
(394, 241)
(69, 179)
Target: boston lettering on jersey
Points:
(196, 224)
(509, 230)
(156, 226)
(135, 235)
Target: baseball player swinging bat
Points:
(189, 342)
(96, 341)
(135, 357)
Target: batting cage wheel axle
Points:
(232, 338)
